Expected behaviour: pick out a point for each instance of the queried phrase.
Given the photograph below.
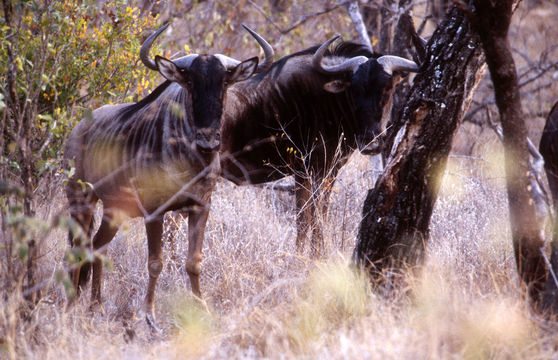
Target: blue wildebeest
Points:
(304, 117)
(156, 155)
(548, 148)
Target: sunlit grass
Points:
(333, 294)
(263, 299)
(195, 327)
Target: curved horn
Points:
(146, 46)
(351, 64)
(392, 63)
(228, 62)
(268, 51)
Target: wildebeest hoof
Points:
(129, 332)
(96, 308)
(203, 304)
(150, 319)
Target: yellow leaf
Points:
(19, 64)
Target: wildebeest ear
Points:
(168, 69)
(336, 86)
(243, 70)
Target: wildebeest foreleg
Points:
(104, 235)
(319, 202)
(311, 196)
(154, 230)
(304, 208)
(196, 230)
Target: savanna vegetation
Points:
(59, 60)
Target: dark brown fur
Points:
(283, 122)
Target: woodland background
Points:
(62, 59)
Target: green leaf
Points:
(46, 117)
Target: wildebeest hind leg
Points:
(104, 235)
(154, 230)
(304, 209)
(322, 191)
(82, 207)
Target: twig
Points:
(301, 21)
(549, 265)
(542, 72)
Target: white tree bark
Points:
(356, 16)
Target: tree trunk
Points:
(491, 19)
(22, 113)
(396, 213)
(401, 47)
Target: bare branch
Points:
(536, 170)
(301, 21)
(356, 16)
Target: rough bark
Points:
(492, 19)
(396, 213)
(402, 44)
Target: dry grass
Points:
(265, 300)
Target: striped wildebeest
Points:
(304, 117)
(548, 148)
(156, 155)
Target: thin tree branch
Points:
(301, 21)
(356, 16)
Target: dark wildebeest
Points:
(304, 117)
(156, 155)
(548, 148)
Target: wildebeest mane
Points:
(131, 109)
(145, 121)
(351, 49)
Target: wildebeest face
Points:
(373, 88)
(206, 80)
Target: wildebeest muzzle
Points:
(208, 139)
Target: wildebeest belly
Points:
(143, 188)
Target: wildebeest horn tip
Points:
(146, 47)
(267, 49)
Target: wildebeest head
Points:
(372, 83)
(205, 79)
